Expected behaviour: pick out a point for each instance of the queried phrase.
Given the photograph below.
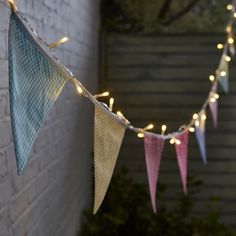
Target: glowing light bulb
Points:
(223, 73)
(111, 103)
(163, 129)
(191, 129)
(228, 59)
(211, 78)
(177, 141)
(229, 7)
(172, 141)
(58, 42)
(216, 96)
(105, 94)
(230, 40)
(79, 89)
(120, 114)
(150, 126)
(140, 135)
(195, 116)
(235, 15)
(220, 45)
(212, 100)
(197, 123)
(229, 28)
(203, 117)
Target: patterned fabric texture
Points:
(182, 157)
(108, 136)
(153, 152)
(34, 83)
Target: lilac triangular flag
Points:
(153, 152)
(182, 157)
(223, 73)
(214, 106)
(200, 135)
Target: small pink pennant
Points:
(182, 157)
(214, 106)
(153, 152)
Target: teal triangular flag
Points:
(35, 82)
(223, 74)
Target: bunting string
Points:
(31, 100)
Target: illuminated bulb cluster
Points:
(175, 141)
(214, 97)
(141, 134)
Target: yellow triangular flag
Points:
(108, 136)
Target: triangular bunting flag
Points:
(153, 152)
(108, 136)
(181, 148)
(223, 73)
(200, 135)
(34, 83)
(213, 104)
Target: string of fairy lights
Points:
(228, 52)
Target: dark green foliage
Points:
(126, 212)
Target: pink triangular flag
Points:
(182, 157)
(153, 152)
(214, 106)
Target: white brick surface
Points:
(49, 197)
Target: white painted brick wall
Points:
(56, 185)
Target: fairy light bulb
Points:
(216, 96)
(235, 15)
(59, 42)
(140, 135)
(111, 103)
(228, 59)
(230, 40)
(223, 73)
(163, 129)
(220, 46)
(229, 7)
(172, 141)
(212, 100)
(195, 116)
(191, 129)
(203, 116)
(229, 28)
(120, 114)
(211, 78)
(177, 141)
(197, 123)
(150, 126)
(105, 94)
(79, 89)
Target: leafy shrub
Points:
(126, 212)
